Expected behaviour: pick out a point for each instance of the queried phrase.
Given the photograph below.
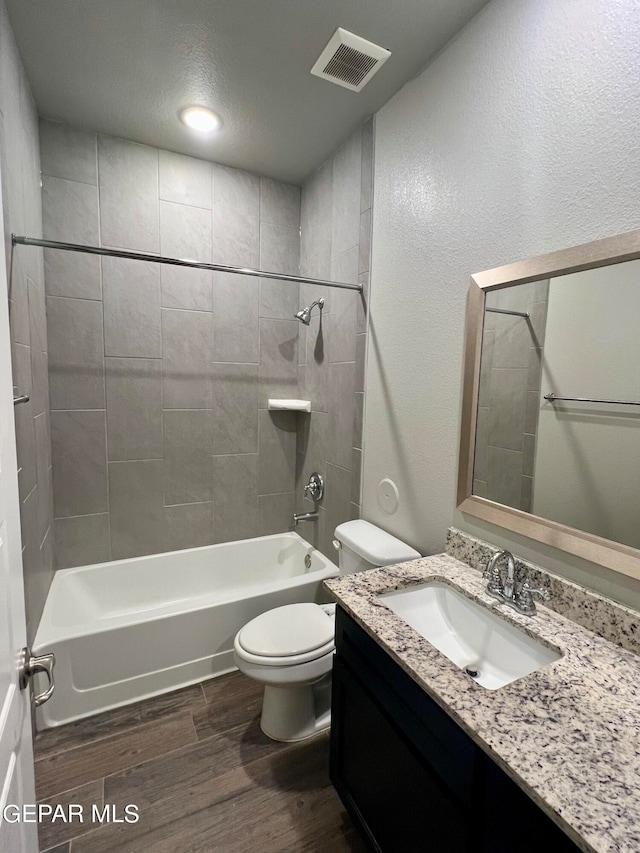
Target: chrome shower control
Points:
(315, 487)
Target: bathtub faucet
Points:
(304, 516)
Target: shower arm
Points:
(179, 262)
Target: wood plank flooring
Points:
(203, 775)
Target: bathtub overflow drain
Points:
(307, 561)
(472, 671)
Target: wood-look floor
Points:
(203, 775)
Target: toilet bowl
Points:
(290, 649)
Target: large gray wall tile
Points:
(32, 557)
(235, 497)
(278, 299)
(39, 347)
(134, 408)
(235, 408)
(366, 183)
(338, 497)
(19, 307)
(185, 180)
(534, 375)
(43, 472)
(504, 476)
(347, 161)
(507, 408)
(66, 152)
(356, 475)
(361, 362)
(279, 249)
(188, 526)
(344, 308)
(486, 366)
(131, 294)
(532, 409)
(70, 214)
(277, 452)
(236, 217)
(186, 288)
(317, 362)
(481, 444)
(364, 248)
(82, 540)
(312, 448)
(279, 203)
(316, 224)
(128, 180)
(275, 513)
(341, 388)
(23, 415)
(278, 359)
(187, 356)
(76, 353)
(136, 510)
(188, 449)
(528, 454)
(235, 318)
(358, 417)
(185, 232)
(79, 453)
(512, 341)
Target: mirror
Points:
(550, 443)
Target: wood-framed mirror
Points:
(550, 433)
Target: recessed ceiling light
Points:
(200, 118)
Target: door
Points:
(16, 748)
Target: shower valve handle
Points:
(315, 487)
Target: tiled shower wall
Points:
(160, 375)
(335, 244)
(22, 214)
(509, 401)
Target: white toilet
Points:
(290, 649)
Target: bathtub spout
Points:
(305, 516)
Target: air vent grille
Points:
(349, 65)
(349, 60)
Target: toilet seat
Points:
(287, 636)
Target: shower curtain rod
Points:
(178, 262)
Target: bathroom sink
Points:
(490, 650)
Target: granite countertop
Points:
(568, 734)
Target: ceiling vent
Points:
(349, 60)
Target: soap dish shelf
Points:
(289, 405)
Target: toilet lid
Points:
(290, 630)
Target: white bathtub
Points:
(131, 629)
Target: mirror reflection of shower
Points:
(305, 315)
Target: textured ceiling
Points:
(125, 67)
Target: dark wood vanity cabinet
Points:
(407, 773)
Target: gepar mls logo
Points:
(70, 813)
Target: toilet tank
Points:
(364, 546)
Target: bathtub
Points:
(132, 629)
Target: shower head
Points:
(305, 314)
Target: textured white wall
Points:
(520, 138)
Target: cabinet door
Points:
(512, 821)
(385, 784)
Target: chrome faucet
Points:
(505, 590)
(315, 490)
(303, 516)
